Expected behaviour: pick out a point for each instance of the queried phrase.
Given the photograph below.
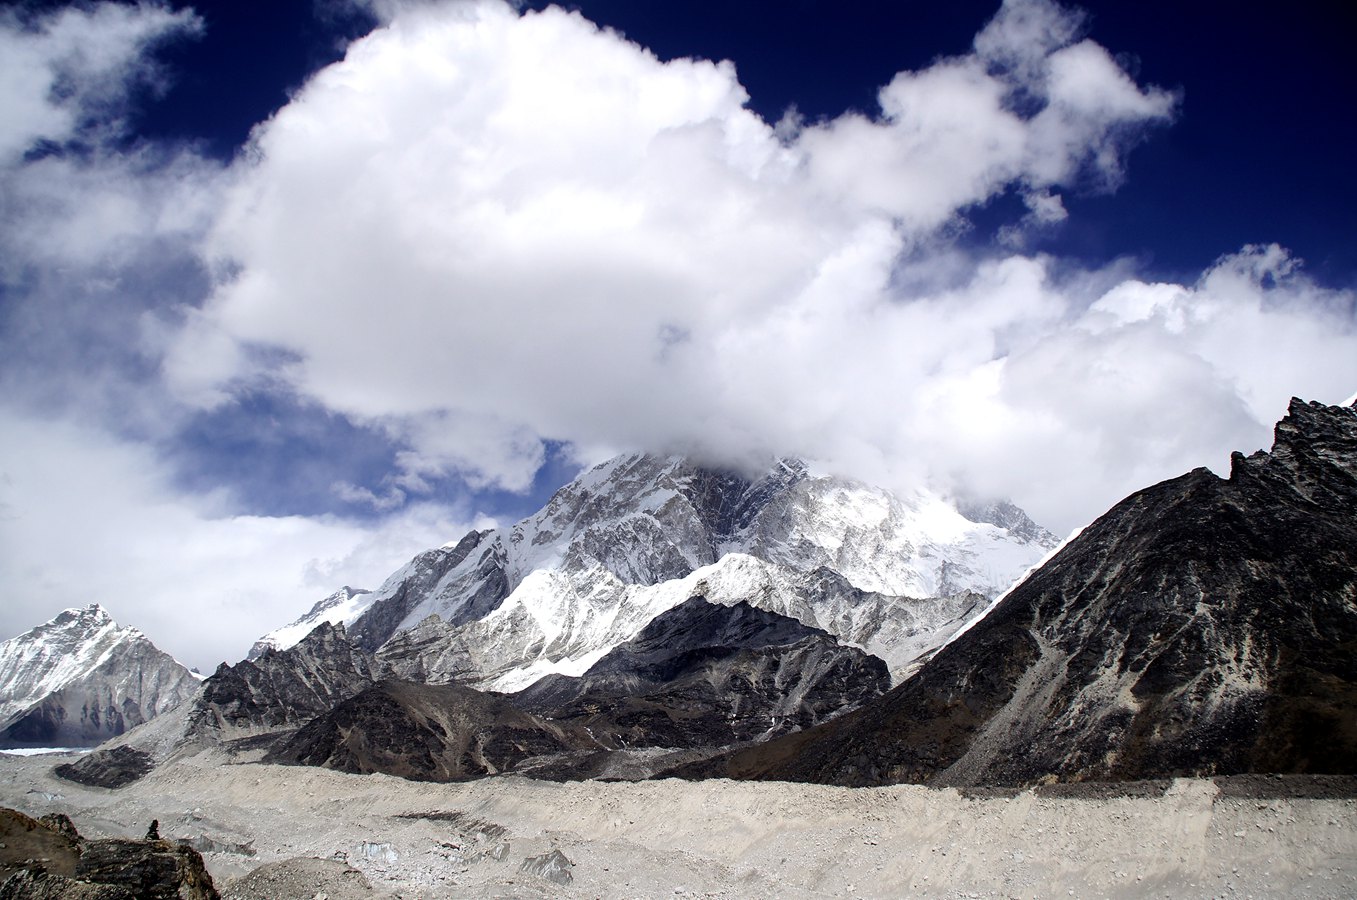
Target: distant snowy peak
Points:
(45, 658)
(81, 678)
(340, 608)
(1006, 515)
(623, 542)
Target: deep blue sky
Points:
(1261, 151)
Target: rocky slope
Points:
(640, 534)
(281, 689)
(699, 677)
(705, 675)
(47, 859)
(1202, 626)
(244, 708)
(441, 732)
(81, 679)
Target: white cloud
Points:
(96, 232)
(86, 519)
(481, 229)
(70, 71)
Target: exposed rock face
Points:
(113, 767)
(80, 679)
(25, 839)
(42, 859)
(149, 870)
(704, 675)
(554, 866)
(640, 534)
(1203, 626)
(282, 689)
(426, 733)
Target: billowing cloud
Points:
(482, 229)
(485, 230)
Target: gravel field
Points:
(283, 832)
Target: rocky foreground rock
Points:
(47, 858)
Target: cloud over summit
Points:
(483, 229)
(484, 233)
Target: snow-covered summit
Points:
(344, 605)
(81, 678)
(581, 569)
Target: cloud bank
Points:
(484, 230)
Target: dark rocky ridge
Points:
(700, 676)
(705, 675)
(1202, 626)
(282, 689)
(425, 732)
(111, 767)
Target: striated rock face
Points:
(1202, 626)
(640, 534)
(35, 884)
(48, 859)
(426, 733)
(282, 689)
(81, 679)
(704, 675)
(148, 870)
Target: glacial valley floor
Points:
(1259, 837)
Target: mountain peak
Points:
(93, 615)
(81, 678)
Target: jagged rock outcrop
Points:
(426, 733)
(1203, 626)
(49, 859)
(704, 675)
(81, 679)
(147, 869)
(282, 689)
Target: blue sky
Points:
(289, 293)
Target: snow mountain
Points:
(341, 606)
(81, 678)
(640, 534)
